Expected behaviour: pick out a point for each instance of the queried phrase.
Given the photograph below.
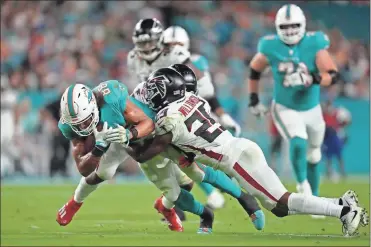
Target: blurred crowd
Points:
(47, 45)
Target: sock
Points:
(298, 153)
(167, 204)
(206, 188)
(307, 204)
(314, 176)
(336, 201)
(187, 202)
(83, 190)
(221, 181)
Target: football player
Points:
(151, 53)
(109, 102)
(246, 201)
(300, 65)
(82, 109)
(183, 119)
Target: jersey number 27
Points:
(207, 122)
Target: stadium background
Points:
(45, 46)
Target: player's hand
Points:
(256, 108)
(100, 135)
(227, 122)
(118, 135)
(299, 78)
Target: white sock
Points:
(83, 190)
(167, 204)
(307, 204)
(331, 200)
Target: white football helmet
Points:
(290, 24)
(79, 109)
(176, 35)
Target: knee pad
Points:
(281, 210)
(314, 155)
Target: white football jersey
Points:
(141, 69)
(194, 131)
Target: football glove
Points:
(118, 135)
(100, 135)
(256, 108)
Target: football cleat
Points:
(206, 221)
(350, 199)
(352, 220)
(258, 219)
(174, 223)
(66, 213)
(215, 200)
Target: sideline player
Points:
(183, 120)
(300, 64)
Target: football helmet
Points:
(163, 87)
(148, 38)
(188, 75)
(290, 24)
(177, 35)
(79, 109)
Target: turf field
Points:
(123, 215)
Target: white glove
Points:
(100, 135)
(298, 79)
(118, 135)
(227, 121)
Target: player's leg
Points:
(292, 128)
(162, 174)
(315, 126)
(106, 169)
(215, 199)
(254, 175)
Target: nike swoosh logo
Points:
(355, 214)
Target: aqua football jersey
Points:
(115, 95)
(285, 59)
(200, 62)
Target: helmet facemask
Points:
(149, 46)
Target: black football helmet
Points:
(163, 87)
(188, 75)
(148, 38)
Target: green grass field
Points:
(123, 215)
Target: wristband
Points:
(134, 133)
(97, 151)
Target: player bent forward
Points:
(183, 120)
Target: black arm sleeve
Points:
(214, 103)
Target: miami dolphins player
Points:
(81, 110)
(176, 35)
(300, 65)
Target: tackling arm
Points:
(158, 146)
(328, 72)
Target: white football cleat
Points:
(215, 200)
(352, 220)
(350, 199)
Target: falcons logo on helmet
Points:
(157, 86)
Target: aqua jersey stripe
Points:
(70, 101)
(288, 11)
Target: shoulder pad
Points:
(178, 54)
(266, 43)
(166, 121)
(322, 40)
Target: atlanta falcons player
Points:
(151, 53)
(183, 120)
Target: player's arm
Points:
(328, 72)
(158, 146)
(257, 66)
(86, 162)
(142, 125)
